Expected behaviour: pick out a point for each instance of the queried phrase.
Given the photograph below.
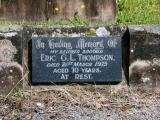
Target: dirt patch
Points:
(74, 102)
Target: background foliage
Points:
(138, 11)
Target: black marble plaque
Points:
(76, 60)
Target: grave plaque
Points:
(76, 60)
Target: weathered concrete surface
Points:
(144, 51)
(11, 74)
(145, 56)
(17, 40)
(10, 58)
(146, 28)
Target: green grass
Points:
(75, 21)
(43, 23)
(139, 11)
